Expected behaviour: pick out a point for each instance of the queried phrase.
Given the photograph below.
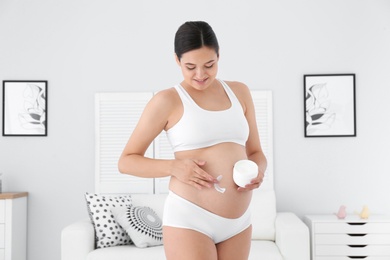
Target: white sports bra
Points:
(199, 128)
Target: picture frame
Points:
(25, 107)
(329, 105)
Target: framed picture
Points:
(24, 108)
(329, 105)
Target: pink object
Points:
(342, 213)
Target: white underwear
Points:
(181, 213)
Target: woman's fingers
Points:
(255, 183)
(202, 179)
(191, 172)
(202, 175)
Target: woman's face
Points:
(199, 67)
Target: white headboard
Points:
(116, 115)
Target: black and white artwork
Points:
(329, 105)
(25, 108)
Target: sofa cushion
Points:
(259, 250)
(107, 231)
(154, 201)
(142, 224)
(128, 252)
(264, 250)
(263, 207)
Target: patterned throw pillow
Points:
(107, 231)
(142, 224)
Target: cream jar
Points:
(244, 171)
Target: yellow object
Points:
(365, 213)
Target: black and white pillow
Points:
(142, 224)
(107, 231)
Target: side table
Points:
(349, 238)
(13, 226)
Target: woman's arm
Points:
(151, 123)
(253, 147)
(154, 119)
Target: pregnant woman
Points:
(211, 125)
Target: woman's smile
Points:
(199, 67)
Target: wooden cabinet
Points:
(13, 226)
(349, 238)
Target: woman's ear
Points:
(177, 60)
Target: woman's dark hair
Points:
(194, 35)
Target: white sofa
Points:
(275, 236)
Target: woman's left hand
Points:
(255, 183)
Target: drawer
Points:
(352, 239)
(2, 236)
(351, 258)
(352, 228)
(2, 211)
(340, 250)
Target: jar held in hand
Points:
(244, 171)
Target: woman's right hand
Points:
(189, 171)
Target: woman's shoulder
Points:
(239, 88)
(165, 94)
(166, 98)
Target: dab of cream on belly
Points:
(217, 187)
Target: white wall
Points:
(84, 47)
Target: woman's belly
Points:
(220, 160)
